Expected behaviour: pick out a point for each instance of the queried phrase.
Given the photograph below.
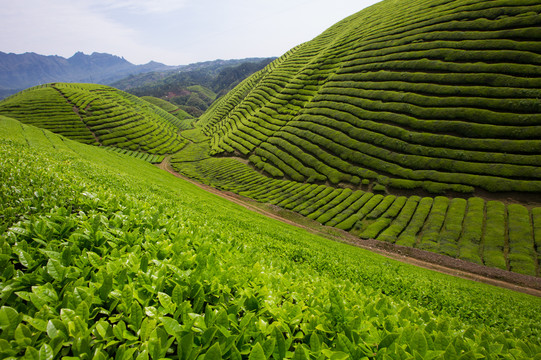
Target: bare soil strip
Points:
(425, 259)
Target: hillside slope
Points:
(98, 115)
(412, 122)
(104, 256)
(433, 95)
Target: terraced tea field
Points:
(98, 115)
(416, 123)
(411, 123)
(490, 233)
(184, 121)
(443, 97)
(111, 257)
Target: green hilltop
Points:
(416, 123)
(97, 115)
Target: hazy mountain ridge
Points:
(20, 71)
(193, 87)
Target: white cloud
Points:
(139, 6)
(63, 27)
(169, 31)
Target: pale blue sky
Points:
(174, 32)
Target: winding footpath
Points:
(425, 259)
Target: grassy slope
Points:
(96, 114)
(420, 98)
(74, 215)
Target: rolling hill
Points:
(417, 123)
(105, 256)
(98, 115)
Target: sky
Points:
(173, 32)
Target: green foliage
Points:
(494, 236)
(473, 230)
(117, 259)
(443, 107)
(96, 114)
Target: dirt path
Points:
(441, 263)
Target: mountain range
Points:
(20, 71)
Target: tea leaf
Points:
(46, 352)
(171, 325)
(9, 318)
(214, 353)
(257, 353)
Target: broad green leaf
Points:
(157, 343)
(337, 305)
(83, 311)
(46, 293)
(56, 328)
(418, 342)
(106, 286)
(38, 324)
(151, 311)
(257, 353)
(9, 318)
(67, 315)
(387, 340)
(186, 346)
(25, 259)
(222, 319)
(335, 355)
(344, 344)
(5, 347)
(46, 352)
(208, 335)
(99, 355)
(300, 354)
(171, 325)
(23, 335)
(315, 343)
(31, 353)
(469, 356)
(147, 325)
(55, 269)
(166, 302)
(66, 256)
(214, 353)
(280, 348)
(119, 329)
(235, 354)
(268, 347)
(102, 327)
(128, 354)
(142, 356)
(450, 353)
(136, 314)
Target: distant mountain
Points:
(192, 74)
(21, 71)
(193, 87)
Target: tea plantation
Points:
(98, 115)
(412, 122)
(430, 96)
(105, 256)
(415, 123)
